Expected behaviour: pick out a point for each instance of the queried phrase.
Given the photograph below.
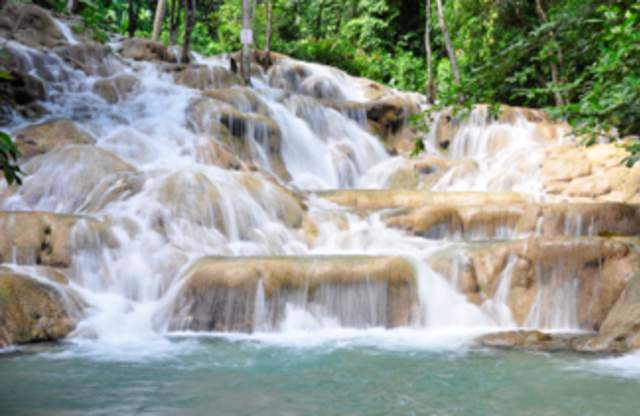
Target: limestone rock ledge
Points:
(497, 220)
(43, 238)
(31, 311)
(532, 340)
(546, 282)
(252, 293)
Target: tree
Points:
(555, 73)
(133, 18)
(72, 5)
(174, 21)
(157, 20)
(431, 87)
(267, 36)
(450, 51)
(245, 61)
(189, 21)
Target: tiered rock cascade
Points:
(162, 196)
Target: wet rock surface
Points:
(31, 25)
(31, 311)
(219, 293)
(42, 138)
(532, 340)
(41, 238)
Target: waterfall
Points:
(173, 175)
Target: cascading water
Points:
(148, 178)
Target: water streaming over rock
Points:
(181, 165)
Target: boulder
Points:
(146, 50)
(425, 171)
(118, 187)
(594, 173)
(213, 152)
(117, 88)
(252, 137)
(61, 179)
(193, 199)
(389, 115)
(244, 100)
(249, 293)
(20, 93)
(90, 57)
(31, 25)
(205, 77)
(531, 340)
(40, 238)
(31, 311)
(620, 331)
(41, 138)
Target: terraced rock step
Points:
(545, 282)
(252, 293)
(370, 199)
(46, 238)
(483, 222)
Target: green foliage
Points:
(505, 49)
(8, 160)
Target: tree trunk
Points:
(555, 72)
(449, 46)
(71, 6)
(189, 20)
(245, 62)
(174, 23)
(431, 89)
(267, 40)
(157, 20)
(319, 19)
(253, 12)
(133, 18)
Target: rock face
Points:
(146, 50)
(592, 173)
(31, 311)
(73, 171)
(248, 133)
(44, 238)
(380, 199)
(22, 93)
(92, 58)
(512, 219)
(245, 294)
(30, 25)
(620, 331)
(117, 88)
(41, 138)
(205, 77)
(546, 282)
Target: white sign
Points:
(246, 36)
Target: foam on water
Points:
(627, 365)
(329, 338)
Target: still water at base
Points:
(346, 372)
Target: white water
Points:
(168, 207)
